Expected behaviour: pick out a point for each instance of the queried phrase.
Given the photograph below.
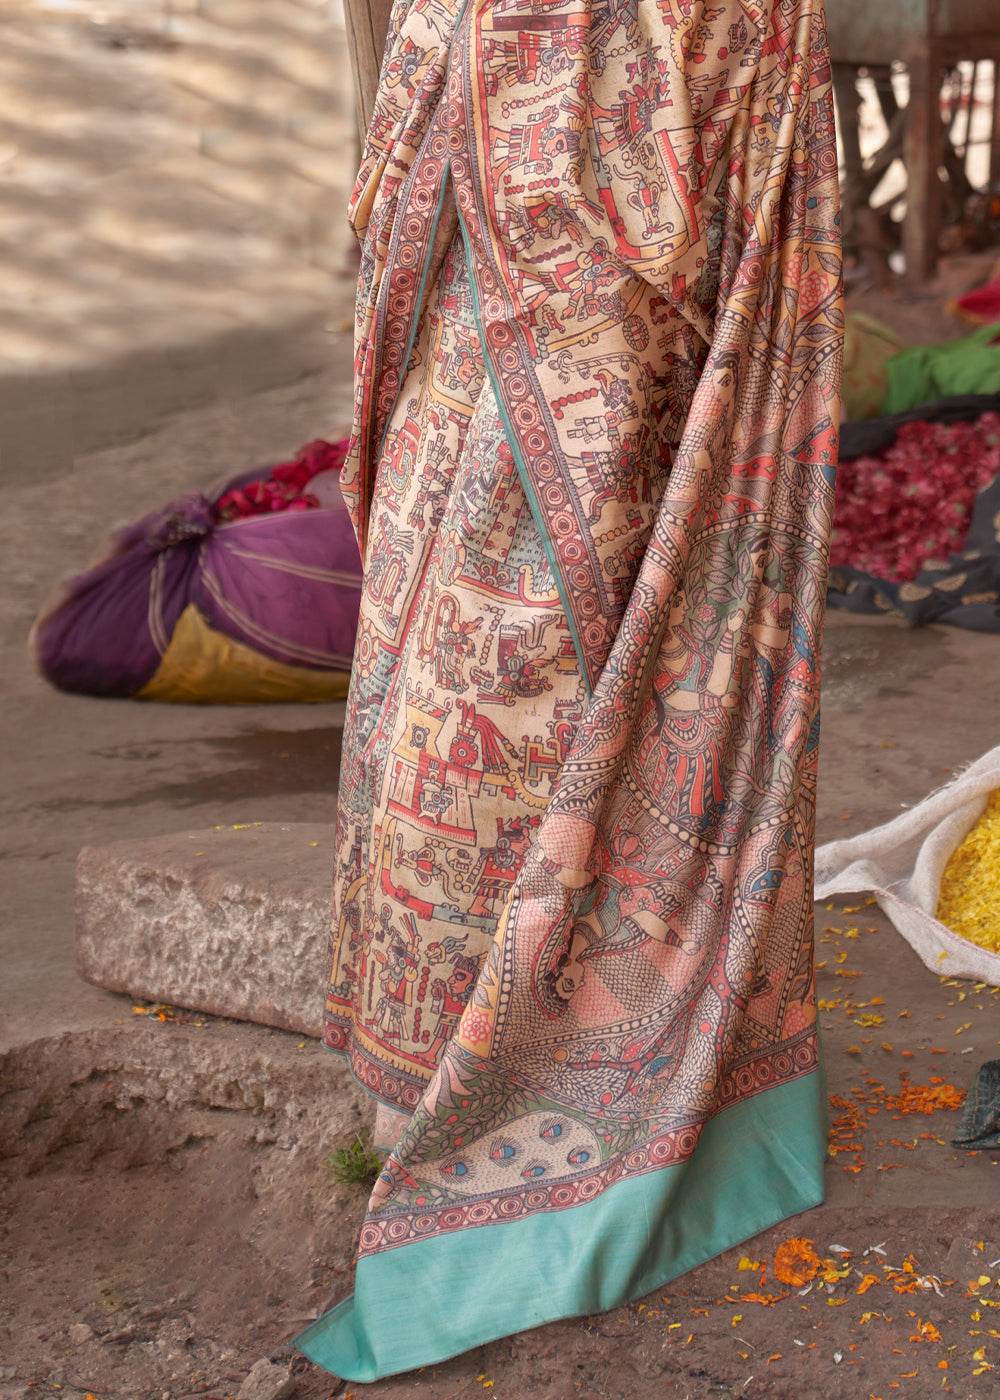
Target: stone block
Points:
(232, 921)
(267, 1382)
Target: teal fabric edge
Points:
(756, 1164)
(522, 470)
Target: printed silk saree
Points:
(598, 350)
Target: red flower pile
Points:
(284, 487)
(913, 502)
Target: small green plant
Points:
(357, 1165)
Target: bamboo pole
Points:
(367, 25)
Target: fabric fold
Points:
(572, 938)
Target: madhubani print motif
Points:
(580, 798)
(466, 692)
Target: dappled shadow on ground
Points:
(168, 169)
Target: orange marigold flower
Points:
(925, 1098)
(796, 1262)
(926, 1330)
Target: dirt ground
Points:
(168, 1219)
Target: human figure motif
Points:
(616, 474)
(448, 1001)
(447, 643)
(400, 968)
(681, 654)
(521, 659)
(787, 724)
(570, 972)
(595, 273)
(562, 970)
(384, 574)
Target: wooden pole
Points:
(367, 25)
(922, 148)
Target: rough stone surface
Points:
(267, 1382)
(114, 1091)
(230, 921)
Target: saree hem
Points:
(345, 1053)
(756, 1164)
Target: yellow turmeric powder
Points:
(969, 902)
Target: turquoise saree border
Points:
(522, 469)
(756, 1163)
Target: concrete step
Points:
(231, 920)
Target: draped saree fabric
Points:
(598, 352)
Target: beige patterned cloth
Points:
(599, 334)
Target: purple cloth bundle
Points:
(286, 583)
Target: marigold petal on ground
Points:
(796, 1262)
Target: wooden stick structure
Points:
(367, 26)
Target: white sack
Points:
(902, 864)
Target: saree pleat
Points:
(598, 357)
